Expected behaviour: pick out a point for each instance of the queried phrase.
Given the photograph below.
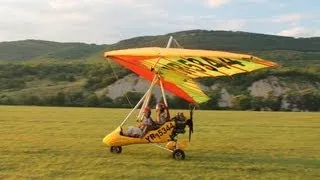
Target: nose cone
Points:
(111, 139)
(106, 140)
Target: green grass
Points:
(66, 143)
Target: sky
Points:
(109, 21)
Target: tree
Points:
(294, 99)
(106, 101)
(32, 100)
(177, 103)
(92, 101)
(75, 99)
(257, 103)
(273, 102)
(310, 101)
(6, 100)
(213, 102)
(122, 102)
(133, 97)
(242, 102)
(57, 100)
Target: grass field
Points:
(66, 143)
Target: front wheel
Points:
(116, 149)
(178, 154)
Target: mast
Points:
(143, 100)
(146, 97)
(169, 42)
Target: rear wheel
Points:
(116, 149)
(178, 154)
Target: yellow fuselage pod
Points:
(159, 135)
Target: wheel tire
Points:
(178, 154)
(116, 149)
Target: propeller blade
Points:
(192, 107)
(190, 124)
(190, 121)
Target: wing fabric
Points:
(172, 82)
(178, 67)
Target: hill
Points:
(75, 74)
(37, 49)
(281, 48)
(284, 50)
(226, 40)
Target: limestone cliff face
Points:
(225, 98)
(261, 88)
(132, 83)
(268, 85)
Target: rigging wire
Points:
(172, 39)
(177, 44)
(114, 72)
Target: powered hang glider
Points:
(174, 70)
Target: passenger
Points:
(134, 131)
(147, 123)
(180, 121)
(163, 114)
(181, 116)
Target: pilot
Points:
(147, 123)
(163, 114)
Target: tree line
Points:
(16, 77)
(294, 101)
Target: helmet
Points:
(147, 109)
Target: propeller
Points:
(189, 122)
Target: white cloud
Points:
(108, 21)
(257, 1)
(288, 18)
(217, 3)
(100, 21)
(299, 32)
(233, 24)
(93, 21)
(63, 4)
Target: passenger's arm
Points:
(168, 114)
(158, 116)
